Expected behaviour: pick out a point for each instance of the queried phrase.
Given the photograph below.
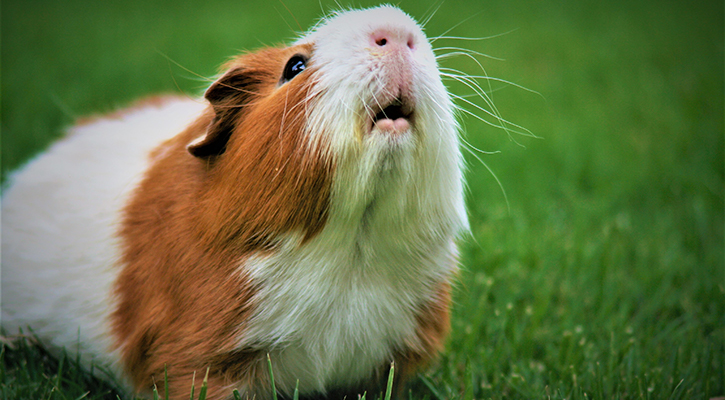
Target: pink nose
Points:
(383, 38)
(394, 57)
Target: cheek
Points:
(274, 179)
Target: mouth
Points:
(395, 118)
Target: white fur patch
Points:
(59, 219)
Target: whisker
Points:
(460, 73)
(520, 130)
(485, 109)
(464, 74)
(471, 146)
(285, 110)
(293, 17)
(525, 133)
(387, 90)
(473, 85)
(470, 149)
(476, 95)
(498, 181)
(473, 38)
(435, 110)
(490, 78)
(176, 83)
(376, 100)
(442, 36)
(430, 17)
(462, 51)
(169, 59)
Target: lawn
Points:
(595, 270)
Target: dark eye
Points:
(294, 66)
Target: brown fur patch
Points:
(433, 327)
(183, 300)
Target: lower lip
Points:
(393, 127)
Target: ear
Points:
(227, 96)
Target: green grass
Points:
(28, 371)
(604, 276)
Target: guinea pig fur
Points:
(306, 208)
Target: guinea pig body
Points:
(305, 210)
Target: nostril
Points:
(397, 40)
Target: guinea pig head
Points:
(352, 113)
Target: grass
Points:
(28, 371)
(602, 278)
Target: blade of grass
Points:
(271, 378)
(432, 388)
(193, 380)
(202, 391)
(3, 369)
(389, 390)
(52, 390)
(61, 364)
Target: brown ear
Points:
(228, 95)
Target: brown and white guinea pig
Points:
(306, 209)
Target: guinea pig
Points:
(306, 210)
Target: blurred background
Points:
(595, 269)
